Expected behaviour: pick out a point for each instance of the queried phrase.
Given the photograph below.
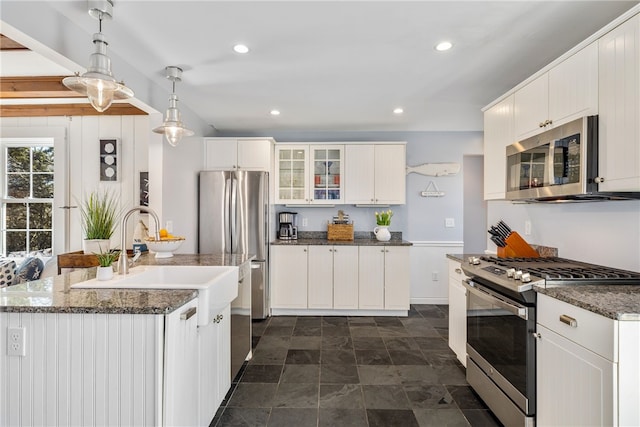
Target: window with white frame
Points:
(27, 196)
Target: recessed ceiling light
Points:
(240, 48)
(275, 112)
(398, 110)
(442, 46)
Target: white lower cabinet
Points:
(587, 367)
(384, 277)
(214, 349)
(339, 277)
(457, 312)
(289, 276)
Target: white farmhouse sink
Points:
(217, 285)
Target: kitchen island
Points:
(109, 356)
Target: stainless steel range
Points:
(501, 322)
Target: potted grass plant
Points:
(106, 259)
(100, 213)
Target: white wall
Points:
(83, 149)
(605, 233)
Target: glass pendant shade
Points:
(98, 83)
(172, 127)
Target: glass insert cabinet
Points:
(309, 174)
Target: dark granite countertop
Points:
(462, 257)
(618, 302)
(361, 238)
(54, 294)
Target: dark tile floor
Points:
(351, 372)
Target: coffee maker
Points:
(287, 226)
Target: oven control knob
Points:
(526, 277)
(511, 272)
(518, 275)
(474, 260)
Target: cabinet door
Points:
(573, 86)
(574, 385)
(359, 179)
(531, 107)
(345, 277)
(371, 277)
(327, 170)
(214, 343)
(181, 366)
(288, 276)
(220, 153)
(457, 312)
(390, 174)
(498, 133)
(320, 284)
(396, 278)
(254, 154)
(292, 165)
(619, 108)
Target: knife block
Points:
(517, 247)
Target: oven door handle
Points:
(495, 299)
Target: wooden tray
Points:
(341, 232)
(78, 259)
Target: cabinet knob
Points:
(381, 250)
(304, 250)
(541, 124)
(457, 270)
(598, 179)
(536, 335)
(549, 122)
(372, 200)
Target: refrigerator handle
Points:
(234, 214)
(227, 215)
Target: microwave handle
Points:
(551, 162)
(494, 299)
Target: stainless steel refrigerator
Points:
(234, 218)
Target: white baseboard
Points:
(327, 312)
(428, 300)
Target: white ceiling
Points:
(340, 65)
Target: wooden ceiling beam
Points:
(48, 110)
(35, 87)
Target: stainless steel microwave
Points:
(559, 164)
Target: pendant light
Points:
(98, 83)
(173, 128)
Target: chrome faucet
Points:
(123, 262)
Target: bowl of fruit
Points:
(164, 247)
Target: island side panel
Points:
(76, 365)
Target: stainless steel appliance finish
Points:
(501, 323)
(560, 164)
(234, 218)
(241, 321)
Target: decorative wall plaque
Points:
(108, 160)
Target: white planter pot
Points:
(95, 246)
(104, 273)
(382, 233)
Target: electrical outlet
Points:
(305, 222)
(16, 342)
(449, 222)
(169, 226)
(527, 228)
(434, 276)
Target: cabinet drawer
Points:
(455, 271)
(592, 331)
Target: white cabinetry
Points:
(457, 312)
(309, 174)
(566, 92)
(384, 277)
(215, 364)
(498, 133)
(587, 372)
(289, 276)
(333, 277)
(237, 153)
(181, 366)
(619, 124)
(375, 174)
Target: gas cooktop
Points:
(521, 274)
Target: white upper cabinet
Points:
(292, 168)
(567, 91)
(327, 170)
(237, 154)
(375, 174)
(619, 118)
(498, 133)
